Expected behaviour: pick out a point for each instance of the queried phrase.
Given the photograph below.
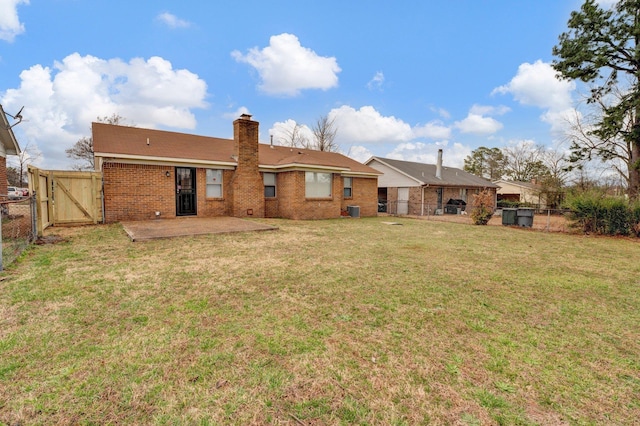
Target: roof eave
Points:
(8, 139)
(141, 159)
(381, 160)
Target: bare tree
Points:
(28, 154)
(615, 150)
(552, 184)
(524, 162)
(324, 132)
(82, 150)
(292, 134)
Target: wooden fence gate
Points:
(66, 197)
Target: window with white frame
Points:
(214, 183)
(269, 184)
(317, 185)
(348, 189)
(463, 194)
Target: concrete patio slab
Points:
(145, 230)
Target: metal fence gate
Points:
(66, 197)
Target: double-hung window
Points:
(317, 185)
(269, 184)
(214, 183)
(348, 189)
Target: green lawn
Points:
(323, 322)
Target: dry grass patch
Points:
(326, 322)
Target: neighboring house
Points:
(152, 173)
(8, 146)
(521, 192)
(421, 189)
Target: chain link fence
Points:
(18, 228)
(555, 220)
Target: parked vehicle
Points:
(13, 193)
(25, 192)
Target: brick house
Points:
(8, 146)
(409, 188)
(151, 173)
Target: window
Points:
(463, 194)
(214, 183)
(347, 187)
(269, 184)
(317, 185)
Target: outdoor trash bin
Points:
(525, 217)
(509, 216)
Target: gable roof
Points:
(425, 174)
(138, 144)
(521, 184)
(7, 138)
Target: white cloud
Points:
(368, 125)
(172, 21)
(282, 132)
(286, 68)
(236, 114)
(376, 82)
(433, 130)
(536, 84)
(10, 25)
(606, 4)
(428, 153)
(489, 110)
(443, 113)
(478, 125)
(62, 101)
(359, 153)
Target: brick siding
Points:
(137, 191)
(364, 193)
(247, 187)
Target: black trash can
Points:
(509, 217)
(525, 217)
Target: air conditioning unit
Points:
(353, 211)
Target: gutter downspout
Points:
(423, 188)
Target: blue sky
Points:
(400, 79)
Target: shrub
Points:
(595, 213)
(634, 219)
(618, 215)
(506, 204)
(482, 208)
(587, 212)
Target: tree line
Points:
(601, 49)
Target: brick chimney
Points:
(247, 188)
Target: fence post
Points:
(548, 220)
(34, 219)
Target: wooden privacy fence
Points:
(66, 197)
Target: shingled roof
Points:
(134, 143)
(425, 174)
